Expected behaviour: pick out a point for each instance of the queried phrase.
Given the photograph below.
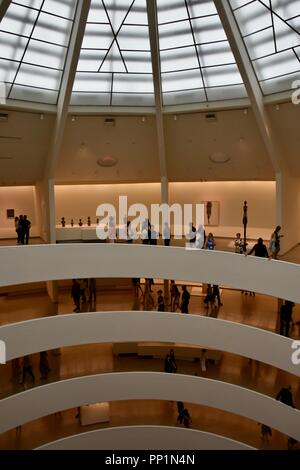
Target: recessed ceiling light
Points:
(219, 157)
(107, 161)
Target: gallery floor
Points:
(260, 311)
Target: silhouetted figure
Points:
(185, 300)
(259, 249)
(285, 396)
(27, 369)
(44, 365)
(75, 294)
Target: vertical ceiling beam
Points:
(67, 82)
(154, 46)
(3, 8)
(251, 83)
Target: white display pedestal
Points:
(96, 413)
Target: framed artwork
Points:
(10, 213)
(211, 213)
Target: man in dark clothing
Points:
(285, 396)
(286, 311)
(22, 229)
(27, 226)
(76, 293)
(259, 249)
(185, 300)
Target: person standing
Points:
(75, 294)
(154, 236)
(200, 237)
(210, 242)
(22, 229)
(175, 296)
(27, 226)
(274, 247)
(186, 418)
(160, 301)
(27, 369)
(238, 244)
(44, 365)
(180, 408)
(185, 300)
(286, 312)
(285, 396)
(259, 249)
(216, 294)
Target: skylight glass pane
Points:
(90, 99)
(138, 14)
(181, 80)
(260, 44)
(222, 75)
(178, 34)
(97, 13)
(117, 11)
(97, 37)
(277, 64)
(38, 77)
(40, 53)
(170, 10)
(90, 60)
(65, 8)
(53, 29)
(231, 92)
(208, 29)
(89, 82)
(253, 17)
(31, 3)
(34, 94)
(284, 8)
(133, 38)
(184, 97)
(238, 3)
(132, 99)
(12, 47)
(275, 85)
(19, 20)
(7, 70)
(179, 59)
(138, 62)
(201, 8)
(285, 36)
(126, 83)
(215, 54)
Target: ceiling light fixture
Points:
(107, 161)
(219, 157)
(245, 111)
(73, 119)
(42, 117)
(175, 117)
(143, 119)
(277, 107)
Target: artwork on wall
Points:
(10, 213)
(211, 213)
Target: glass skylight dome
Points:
(115, 68)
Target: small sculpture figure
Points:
(89, 221)
(63, 222)
(80, 223)
(208, 211)
(72, 222)
(97, 221)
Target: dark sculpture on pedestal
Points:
(208, 211)
(72, 222)
(63, 222)
(89, 221)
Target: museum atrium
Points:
(179, 102)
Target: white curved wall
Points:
(74, 329)
(22, 264)
(146, 437)
(48, 399)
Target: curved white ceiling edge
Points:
(23, 264)
(146, 437)
(47, 399)
(45, 334)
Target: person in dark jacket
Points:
(185, 300)
(285, 396)
(259, 249)
(286, 312)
